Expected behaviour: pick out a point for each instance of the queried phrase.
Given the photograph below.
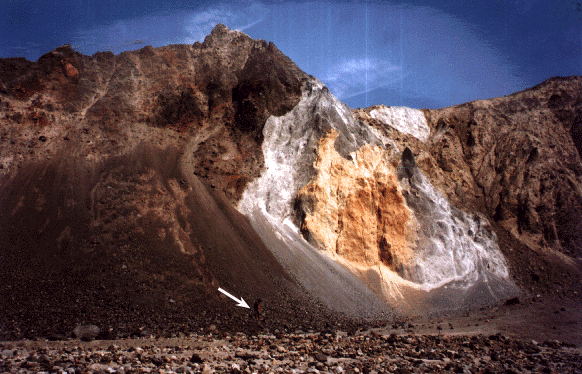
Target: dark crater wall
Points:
(118, 174)
(227, 86)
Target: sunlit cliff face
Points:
(356, 209)
(369, 213)
(334, 190)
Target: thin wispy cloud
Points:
(411, 52)
(176, 27)
(359, 75)
(235, 16)
(121, 35)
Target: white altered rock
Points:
(455, 248)
(289, 146)
(406, 120)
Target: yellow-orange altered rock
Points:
(72, 71)
(69, 69)
(357, 210)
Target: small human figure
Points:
(258, 308)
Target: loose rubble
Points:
(331, 352)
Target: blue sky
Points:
(417, 53)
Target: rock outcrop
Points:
(343, 186)
(218, 94)
(516, 160)
(270, 201)
(522, 158)
(355, 208)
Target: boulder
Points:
(86, 332)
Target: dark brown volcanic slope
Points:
(224, 88)
(117, 175)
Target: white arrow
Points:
(240, 302)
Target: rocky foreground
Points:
(374, 351)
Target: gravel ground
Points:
(372, 351)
